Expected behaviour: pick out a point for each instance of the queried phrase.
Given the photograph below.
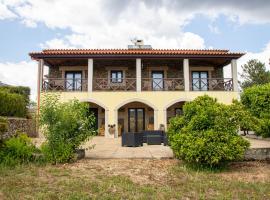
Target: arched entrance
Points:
(100, 112)
(135, 116)
(174, 109)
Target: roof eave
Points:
(44, 56)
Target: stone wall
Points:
(27, 126)
(257, 154)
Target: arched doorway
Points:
(100, 117)
(173, 110)
(135, 116)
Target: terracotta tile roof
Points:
(68, 52)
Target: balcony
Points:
(116, 84)
(211, 84)
(60, 84)
(129, 84)
(162, 84)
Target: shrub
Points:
(24, 91)
(243, 117)
(206, 134)
(17, 150)
(257, 100)
(12, 104)
(3, 129)
(66, 126)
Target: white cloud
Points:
(110, 24)
(21, 73)
(5, 13)
(56, 44)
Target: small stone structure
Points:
(257, 154)
(27, 126)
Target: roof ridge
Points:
(122, 49)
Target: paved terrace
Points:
(111, 148)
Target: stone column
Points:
(156, 125)
(112, 118)
(234, 74)
(138, 75)
(90, 75)
(186, 74)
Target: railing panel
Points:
(114, 84)
(212, 84)
(163, 84)
(59, 84)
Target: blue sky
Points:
(228, 35)
(30, 25)
(18, 40)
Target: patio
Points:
(111, 148)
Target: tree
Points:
(66, 126)
(254, 73)
(257, 100)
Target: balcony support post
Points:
(186, 74)
(138, 74)
(234, 74)
(39, 81)
(90, 74)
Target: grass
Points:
(120, 179)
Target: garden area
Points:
(135, 179)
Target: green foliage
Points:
(24, 91)
(257, 100)
(66, 126)
(3, 129)
(14, 101)
(243, 116)
(3, 125)
(17, 150)
(263, 128)
(60, 153)
(254, 73)
(206, 134)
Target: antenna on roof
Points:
(138, 44)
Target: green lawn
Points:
(134, 179)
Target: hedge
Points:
(14, 101)
(22, 90)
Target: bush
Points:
(257, 100)
(3, 129)
(17, 150)
(12, 104)
(206, 134)
(243, 117)
(24, 91)
(66, 126)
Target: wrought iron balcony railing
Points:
(162, 84)
(212, 84)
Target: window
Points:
(178, 111)
(199, 81)
(157, 80)
(73, 81)
(116, 76)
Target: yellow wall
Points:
(159, 101)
